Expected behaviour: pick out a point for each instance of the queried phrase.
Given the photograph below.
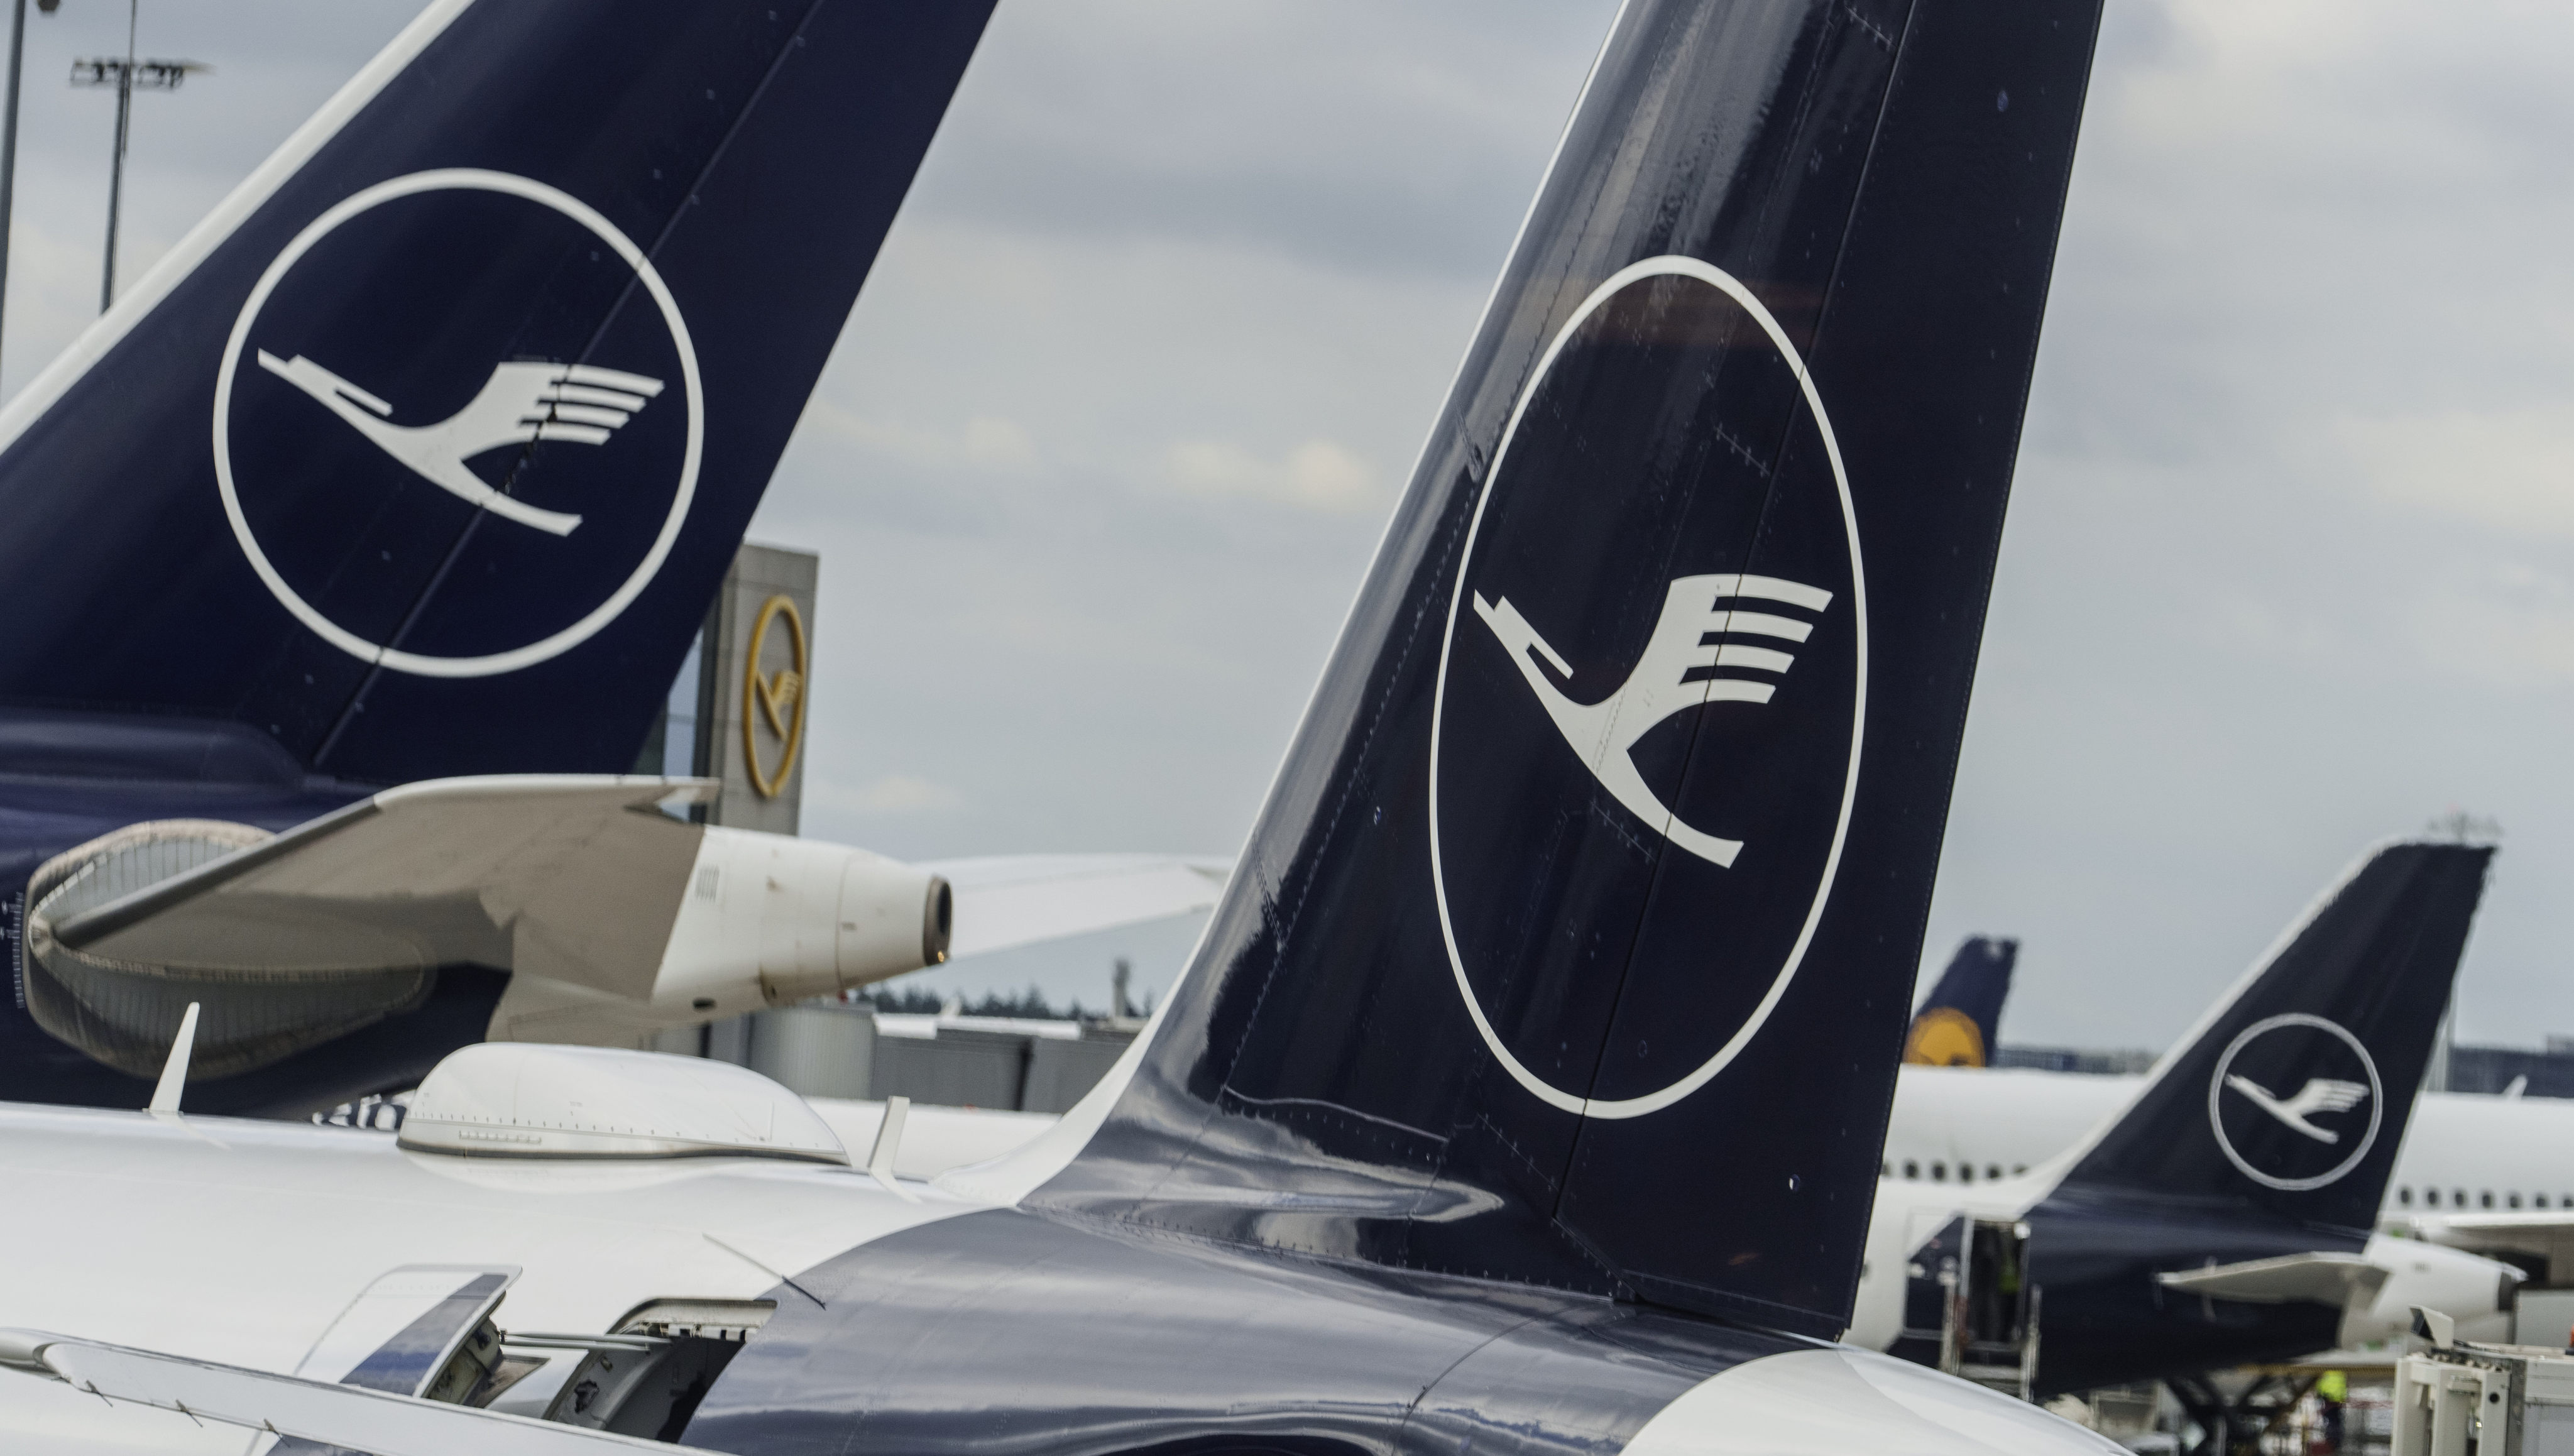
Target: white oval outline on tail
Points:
(462, 179)
(1669, 264)
(2216, 1114)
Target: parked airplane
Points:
(1490, 1111)
(2225, 1215)
(498, 354)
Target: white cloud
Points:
(1316, 475)
(2512, 469)
(2511, 625)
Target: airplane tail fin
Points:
(2290, 1098)
(1575, 941)
(1957, 1025)
(424, 453)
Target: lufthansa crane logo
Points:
(1675, 673)
(458, 424)
(773, 701)
(1644, 738)
(2294, 1101)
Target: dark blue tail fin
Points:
(1957, 1025)
(1575, 942)
(2289, 1099)
(424, 452)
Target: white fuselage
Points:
(242, 1241)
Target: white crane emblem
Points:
(2319, 1094)
(1676, 671)
(519, 404)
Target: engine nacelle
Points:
(795, 919)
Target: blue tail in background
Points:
(2269, 1131)
(1959, 1023)
(423, 454)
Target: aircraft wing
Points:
(2313, 1277)
(581, 875)
(1007, 901)
(2546, 1234)
(342, 1416)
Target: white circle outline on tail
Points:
(1668, 265)
(2217, 1113)
(462, 179)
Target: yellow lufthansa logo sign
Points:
(773, 701)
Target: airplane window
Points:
(1966, 1172)
(1992, 1170)
(1886, 1170)
(1912, 1169)
(2487, 1198)
(2404, 1196)
(1939, 1172)
(2457, 1197)
(2514, 1200)
(2538, 1198)
(2018, 1168)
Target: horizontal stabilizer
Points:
(2546, 1235)
(342, 1416)
(1007, 901)
(426, 874)
(614, 920)
(2313, 1277)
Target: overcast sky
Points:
(1116, 422)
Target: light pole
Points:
(124, 74)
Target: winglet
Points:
(889, 1142)
(174, 1072)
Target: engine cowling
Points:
(799, 919)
